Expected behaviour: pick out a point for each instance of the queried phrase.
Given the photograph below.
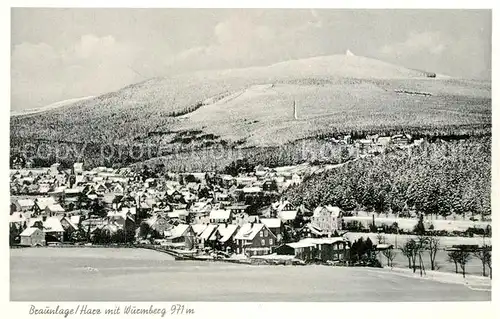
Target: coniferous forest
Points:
(436, 178)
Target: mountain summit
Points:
(245, 107)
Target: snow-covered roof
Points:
(171, 191)
(249, 231)
(282, 205)
(114, 214)
(315, 230)
(44, 188)
(174, 214)
(25, 202)
(220, 214)
(181, 212)
(201, 205)
(319, 241)
(56, 208)
(363, 141)
(60, 189)
(177, 231)
(145, 205)
(131, 210)
(287, 215)
(253, 189)
(333, 210)
(300, 245)
(246, 179)
(271, 222)
(383, 246)
(52, 224)
(17, 218)
(225, 231)
(226, 177)
(207, 232)
(199, 228)
(43, 202)
(72, 191)
(75, 220)
(78, 165)
(69, 222)
(29, 231)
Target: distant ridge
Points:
(50, 106)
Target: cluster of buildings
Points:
(375, 143)
(202, 212)
(241, 214)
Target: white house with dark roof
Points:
(327, 218)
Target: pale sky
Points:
(59, 54)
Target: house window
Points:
(265, 233)
(261, 234)
(270, 241)
(263, 242)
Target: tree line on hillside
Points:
(206, 152)
(437, 178)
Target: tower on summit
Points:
(294, 111)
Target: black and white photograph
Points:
(249, 155)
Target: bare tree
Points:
(484, 254)
(488, 263)
(390, 254)
(433, 244)
(464, 257)
(453, 257)
(407, 251)
(421, 245)
(381, 239)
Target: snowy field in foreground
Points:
(52, 274)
